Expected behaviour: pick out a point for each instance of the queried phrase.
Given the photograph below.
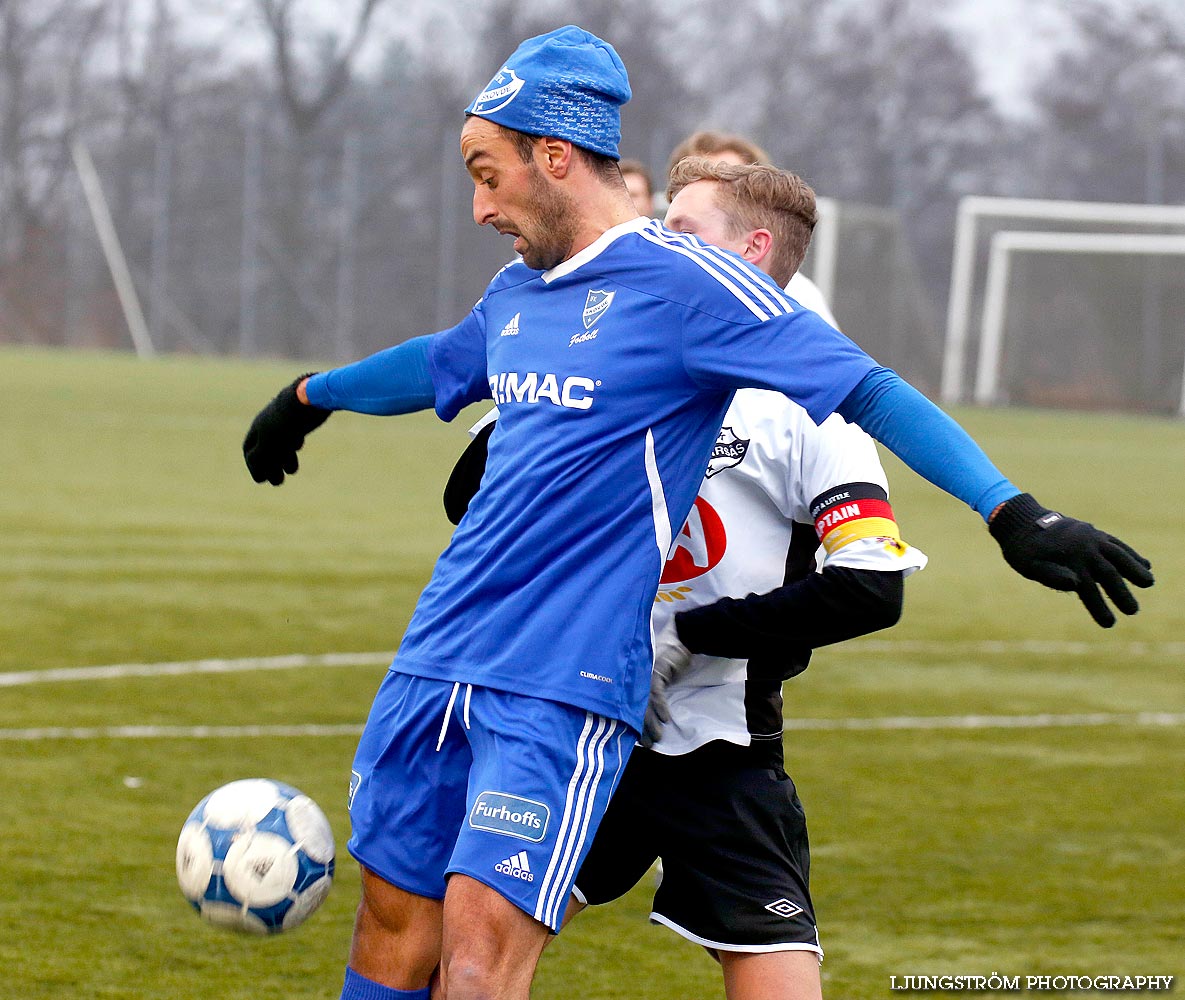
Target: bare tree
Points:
(44, 49)
(1112, 106)
(307, 88)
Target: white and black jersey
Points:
(782, 498)
(778, 490)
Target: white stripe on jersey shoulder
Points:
(749, 275)
(520, 273)
(760, 299)
(594, 249)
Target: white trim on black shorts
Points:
(658, 918)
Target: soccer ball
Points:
(255, 856)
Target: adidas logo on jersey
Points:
(511, 328)
(516, 867)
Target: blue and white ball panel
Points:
(256, 855)
(504, 788)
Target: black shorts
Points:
(728, 826)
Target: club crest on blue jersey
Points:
(596, 305)
(510, 815)
(499, 92)
(728, 451)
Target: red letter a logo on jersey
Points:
(698, 547)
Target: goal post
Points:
(121, 275)
(1005, 244)
(974, 212)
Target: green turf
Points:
(131, 533)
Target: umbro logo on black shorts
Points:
(784, 908)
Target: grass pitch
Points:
(130, 533)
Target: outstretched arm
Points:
(775, 631)
(396, 380)
(393, 381)
(1059, 551)
(465, 478)
(836, 604)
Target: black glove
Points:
(277, 434)
(1066, 554)
(465, 478)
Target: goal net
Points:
(1067, 304)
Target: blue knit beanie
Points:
(567, 83)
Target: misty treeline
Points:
(286, 197)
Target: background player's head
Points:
(759, 212)
(723, 147)
(639, 184)
(542, 137)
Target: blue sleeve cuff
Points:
(926, 439)
(396, 380)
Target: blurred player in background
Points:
(723, 147)
(613, 349)
(640, 185)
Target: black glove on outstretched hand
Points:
(277, 434)
(1067, 554)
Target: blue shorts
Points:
(504, 788)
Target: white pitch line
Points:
(292, 661)
(89, 733)
(300, 660)
(1040, 647)
(247, 664)
(1040, 721)
(900, 722)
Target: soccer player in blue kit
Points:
(707, 792)
(612, 348)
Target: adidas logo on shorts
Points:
(516, 867)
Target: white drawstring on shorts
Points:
(448, 711)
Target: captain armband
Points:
(848, 513)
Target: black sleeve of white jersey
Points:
(465, 478)
(775, 631)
